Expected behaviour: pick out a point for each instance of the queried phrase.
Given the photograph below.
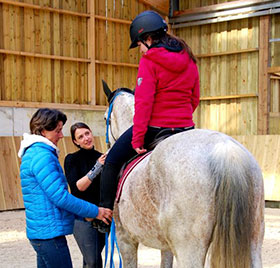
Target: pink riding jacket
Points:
(167, 92)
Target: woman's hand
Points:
(140, 150)
(105, 214)
(102, 158)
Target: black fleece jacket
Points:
(77, 165)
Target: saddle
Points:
(134, 161)
(126, 170)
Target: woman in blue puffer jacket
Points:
(50, 209)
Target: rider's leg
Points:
(108, 185)
(121, 152)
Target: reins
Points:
(108, 121)
(111, 100)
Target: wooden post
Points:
(91, 53)
(2, 75)
(264, 96)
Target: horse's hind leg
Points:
(166, 259)
(190, 256)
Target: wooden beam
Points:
(99, 17)
(218, 7)
(227, 53)
(2, 77)
(228, 97)
(44, 8)
(275, 114)
(275, 77)
(42, 56)
(91, 53)
(22, 104)
(160, 5)
(272, 70)
(117, 63)
(263, 102)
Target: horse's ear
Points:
(106, 89)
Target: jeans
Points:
(91, 243)
(52, 253)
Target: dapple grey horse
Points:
(198, 196)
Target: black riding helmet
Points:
(145, 22)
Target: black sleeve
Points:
(71, 173)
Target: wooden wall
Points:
(239, 71)
(114, 61)
(266, 150)
(10, 189)
(227, 60)
(58, 51)
(44, 51)
(274, 118)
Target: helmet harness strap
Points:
(144, 43)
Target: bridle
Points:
(111, 99)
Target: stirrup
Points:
(101, 226)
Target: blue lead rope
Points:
(113, 243)
(113, 228)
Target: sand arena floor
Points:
(15, 250)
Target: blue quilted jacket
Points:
(50, 209)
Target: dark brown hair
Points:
(46, 119)
(73, 129)
(170, 41)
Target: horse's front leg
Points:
(128, 253)
(128, 246)
(166, 259)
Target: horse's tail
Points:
(231, 169)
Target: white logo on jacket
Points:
(139, 81)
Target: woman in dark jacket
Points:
(82, 170)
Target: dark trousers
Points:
(52, 253)
(91, 243)
(119, 154)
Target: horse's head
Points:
(120, 112)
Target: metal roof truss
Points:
(202, 18)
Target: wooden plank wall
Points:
(274, 119)
(234, 95)
(10, 189)
(265, 148)
(43, 51)
(227, 55)
(115, 63)
(48, 50)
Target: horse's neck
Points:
(123, 111)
